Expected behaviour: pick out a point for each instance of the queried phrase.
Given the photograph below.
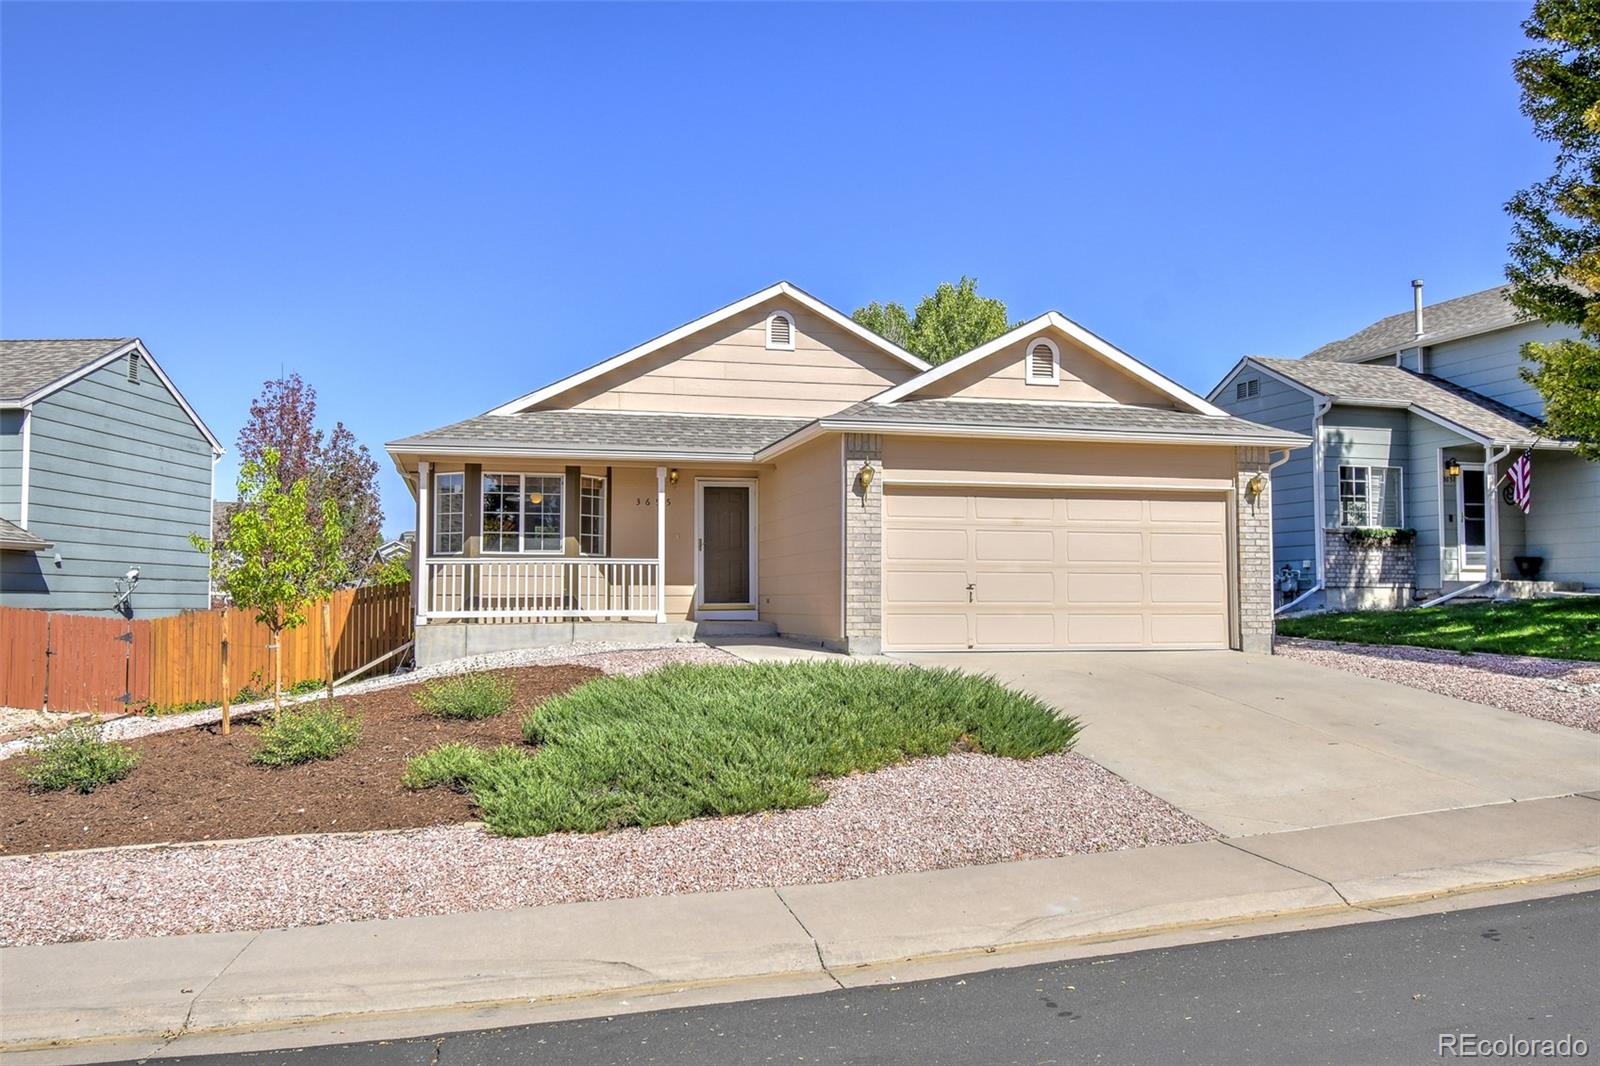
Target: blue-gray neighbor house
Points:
(1414, 421)
(105, 470)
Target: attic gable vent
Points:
(133, 367)
(1044, 363)
(1247, 390)
(780, 331)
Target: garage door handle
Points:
(969, 592)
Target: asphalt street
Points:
(1376, 993)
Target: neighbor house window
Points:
(522, 512)
(1044, 363)
(449, 513)
(592, 516)
(780, 331)
(1370, 496)
(1247, 390)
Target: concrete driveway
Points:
(1256, 744)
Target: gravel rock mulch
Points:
(934, 813)
(609, 657)
(1563, 691)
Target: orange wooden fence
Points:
(89, 663)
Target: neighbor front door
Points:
(1473, 508)
(725, 545)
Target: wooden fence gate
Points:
(110, 665)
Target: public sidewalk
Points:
(187, 994)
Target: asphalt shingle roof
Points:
(613, 432)
(1461, 317)
(14, 538)
(27, 366)
(1357, 383)
(1066, 418)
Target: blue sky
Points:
(428, 210)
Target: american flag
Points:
(1521, 475)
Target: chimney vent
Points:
(1416, 306)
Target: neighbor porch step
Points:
(729, 628)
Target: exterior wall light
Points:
(1256, 486)
(1452, 469)
(672, 476)
(865, 478)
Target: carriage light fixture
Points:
(1256, 486)
(672, 476)
(1452, 469)
(865, 477)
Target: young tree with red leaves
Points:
(336, 466)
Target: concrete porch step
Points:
(724, 628)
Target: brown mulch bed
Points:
(196, 784)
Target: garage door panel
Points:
(1015, 545)
(925, 586)
(917, 545)
(910, 630)
(1187, 548)
(1016, 630)
(1054, 570)
(1105, 588)
(1105, 509)
(1188, 588)
(1104, 547)
(993, 586)
(1188, 630)
(1105, 630)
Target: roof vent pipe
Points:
(1416, 306)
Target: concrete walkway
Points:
(182, 995)
(1258, 744)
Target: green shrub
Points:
(469, 696)
(687, 741)
(77, 758)
(301, 734)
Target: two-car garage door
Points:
(1008, 569)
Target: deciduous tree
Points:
(948, 322)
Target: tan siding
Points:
(933, 460)
(800, 541)
(1085, 378)
(727, 369)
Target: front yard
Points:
(1565, 628)
(686, 778)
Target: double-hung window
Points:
(449, 513)
(1370, 496)
(522, 512)
(592, 516)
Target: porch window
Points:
(592, 516)
(1370, 496)
(449, 513)
(522, 512)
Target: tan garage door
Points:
(1016, 570)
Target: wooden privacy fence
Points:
(89, 663)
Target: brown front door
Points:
(725, 547)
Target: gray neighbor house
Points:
(1414, 421)
(105, 470)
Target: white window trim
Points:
(1029, 376)
(438, 511)
(522, 512)
(1339, 480)
(787, 317)
(605, 518)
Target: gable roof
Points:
(1463, 316)
(605, 434)
(30, 370)
(782, 288)
(1480, 417)
(1098, 345)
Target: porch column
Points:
(424, 541)
(661, 544)
(1491, 517)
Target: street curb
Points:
(656, 988)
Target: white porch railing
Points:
(542, 589)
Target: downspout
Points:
(1319, 503)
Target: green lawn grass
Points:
(1565, 628)
(686, 741)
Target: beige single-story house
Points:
(777, 467)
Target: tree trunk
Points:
(327, 642)
(277, 674)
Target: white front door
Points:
(1472, 526)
